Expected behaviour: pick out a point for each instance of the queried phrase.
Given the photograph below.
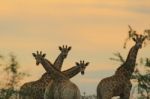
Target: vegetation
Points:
(143, 80)
(12, 78)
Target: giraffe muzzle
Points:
(64, 56)
(37, 63)
(82, 72)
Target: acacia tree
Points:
(12, 78)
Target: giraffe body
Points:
(62, 89)
(65, 89)
(116, 85)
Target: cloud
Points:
(50, 9)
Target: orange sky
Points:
(94, 28)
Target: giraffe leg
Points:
(107, 96)
(126, 93)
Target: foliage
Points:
(118, 57)
(144, 80)
(12, 78)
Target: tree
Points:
(12, 78)
(143, 80)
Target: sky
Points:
(94, 28)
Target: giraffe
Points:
(60, 87)
(119, 84)
(36, 89)
(80, 67)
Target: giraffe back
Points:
(35, 89)
(62, 89)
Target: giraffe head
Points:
(64, 50)
(82, 66)
(139, 39)
(38, 57)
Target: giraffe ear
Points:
(60, 48)
(69, 48)
(145, 37)
(87, 63)
(43, 55)
(134, 39)
(77, 63)
(34, 55)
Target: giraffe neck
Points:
(128, 67)
(55, 74)
(45, 77)
(59, 61)
(131, 58)
(72, 71)
(69, 73)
